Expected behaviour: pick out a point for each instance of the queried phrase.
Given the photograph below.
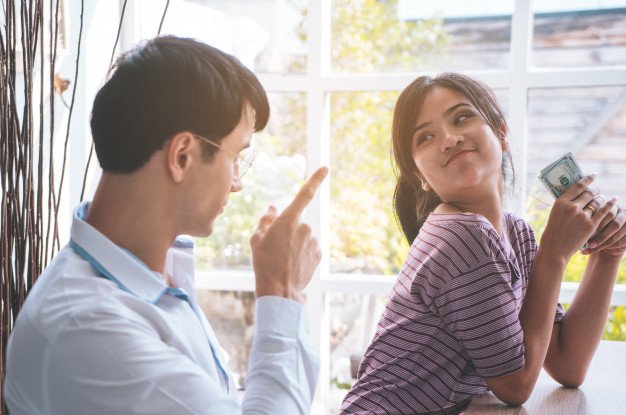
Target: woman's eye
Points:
(424, 138)
(462, 117)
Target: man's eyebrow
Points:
(445, 113)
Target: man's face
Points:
(211, 182)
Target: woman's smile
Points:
(458, 155)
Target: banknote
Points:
(560, 175)
(557, 177)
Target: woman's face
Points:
(455, 150)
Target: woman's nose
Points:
(450, 140)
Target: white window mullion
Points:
(497, 79)
(521, 44)
(576, 77)
(318, 146)
(284, 83)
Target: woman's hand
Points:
(572, 222)
(610, 239)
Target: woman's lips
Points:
(457, 155)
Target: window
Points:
(333, 69)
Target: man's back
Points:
(80, 338)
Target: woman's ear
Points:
(424, 183)
(179, 155)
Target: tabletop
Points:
(602, 393)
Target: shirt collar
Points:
(129, 272)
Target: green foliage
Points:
(274, 178)
(364, 233)
(616, 325)
(369, 36)
(340, 385)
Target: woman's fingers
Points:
(596, 203)
(589, 198)
(610, 234)
(580, 188)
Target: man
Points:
(113, 326)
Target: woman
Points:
(475, 305)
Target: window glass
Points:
(364, 236)
(402, 36)
(353, 320)
(274, 178)
(579, 33)
(591, 124)
(231, 314)
(268, 36)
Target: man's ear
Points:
(179, 155)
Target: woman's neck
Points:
(491, 210)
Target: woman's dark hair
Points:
(166, 86)
(411, 203)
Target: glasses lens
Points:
(246, 160)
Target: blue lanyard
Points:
(180, 294)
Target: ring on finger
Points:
(591, 209)
(599, 199)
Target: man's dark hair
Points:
(166, 86)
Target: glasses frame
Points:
(247, 158)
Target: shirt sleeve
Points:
(283, 368)
(479, 308)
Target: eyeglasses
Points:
(243, 160)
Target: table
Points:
(602, 393)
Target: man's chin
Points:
(202, 233)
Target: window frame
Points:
(319, 81)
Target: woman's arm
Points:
(575, 340)
(536, 319)
(569, 226)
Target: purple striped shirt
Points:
(451, 320)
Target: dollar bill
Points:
(560, 175)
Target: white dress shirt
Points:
(100, 333)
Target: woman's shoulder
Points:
(447, 247)
(453, 228)
(518, 226)
(458, 240)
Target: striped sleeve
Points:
(479, 308)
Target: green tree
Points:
(370, 36)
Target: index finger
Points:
(580, 186)
(305, 195)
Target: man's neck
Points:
(129, 216)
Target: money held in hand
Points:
(560, 175)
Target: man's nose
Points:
(236, 186)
